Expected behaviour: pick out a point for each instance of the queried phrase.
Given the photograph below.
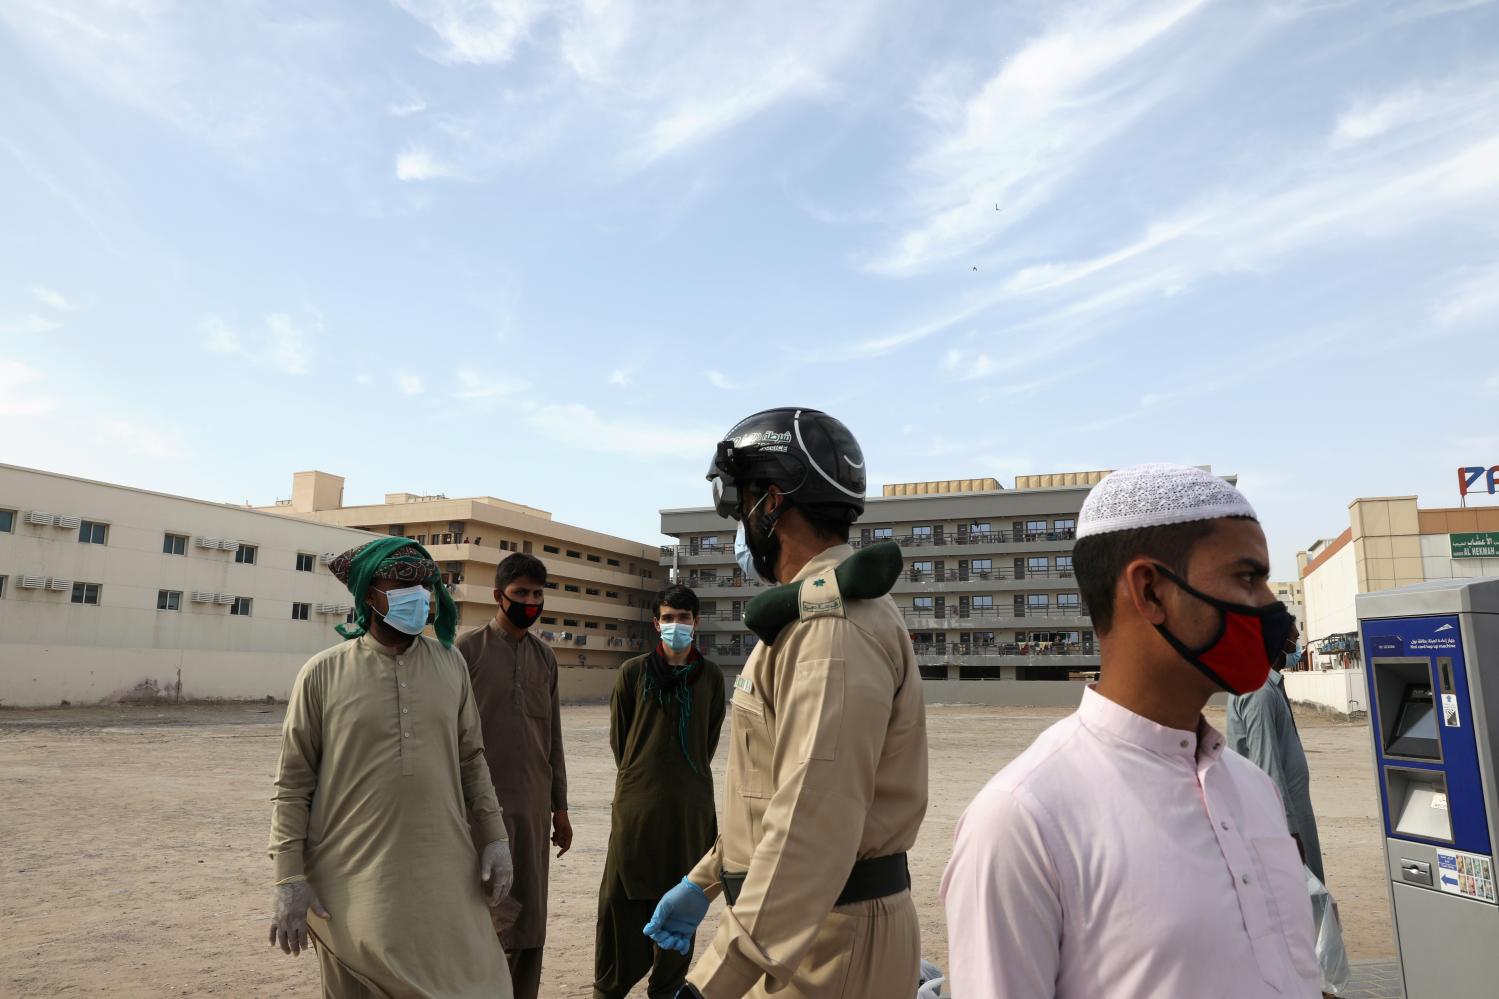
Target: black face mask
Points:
(521, 615)
(760, 538)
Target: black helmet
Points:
(810, 455)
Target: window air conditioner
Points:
(67, 523)
(204, 596)
(229, 546)
(206, 542)
(33, 582)
(326, 558)
(39, 518)
(224, 598)
(59, 584)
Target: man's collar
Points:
(822, 562)
(373, 644)
(1103, 715)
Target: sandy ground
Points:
(132, 844)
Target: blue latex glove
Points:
(674, 923)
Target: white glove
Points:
(496, 870)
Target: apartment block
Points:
(600, 587)
(108, 591)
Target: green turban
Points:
(395, 558)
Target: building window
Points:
(984, 528)
(1037, 601)
(1069, 601)
(169, 600)
(1068, 525)
(7, 521)
(92, 533)
(921, 533)
(921, 570)
(551, 549)
(607, 627)
(1033, 528)
(612, 594)
(305, 562)
(924, 604)
(86, 593)
(712, 541)
(2, 587)
(241, 606)
(568, 622)
(396, 530)
(1064, 563)
(301, 612)
(571, 588)
(590, 624)
(591, 592)
(573, 554)
(984, 603)
(174, 544)
(1036, 565)
(548, 620)
(245, 554)
(593, 558)
(982, 566)
(550, 585)
(884, 533)
(614, 562)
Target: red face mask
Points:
(1248, 640)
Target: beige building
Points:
(108, 591)
(1389, 542)
(600, 587)
(1293, 595)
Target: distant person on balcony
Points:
(381, 771)
(665, 716)
(514, 676)
(1262, 729)
(1127, 852)
(827, 777)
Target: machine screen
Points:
(1416, 726)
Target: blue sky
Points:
(551, 249)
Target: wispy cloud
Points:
(1012, 142)
(475, 387)
(719, 380)
(419, 164)
(17, 385)
(1473, 297)
(624, 377)
(29, 324)
(477, 31)
(141, 439)
(582, 427)
(405, 109)
(287, 342)
(53, 299)
(410, 384)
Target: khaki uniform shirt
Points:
(381, 757)
(827, 765)
(515, 687)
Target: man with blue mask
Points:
(382, 764)
(745, 557)
(1262, 728)
(664, 721)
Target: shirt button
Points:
(1225, 825)
(405, 710)
(403, 683)
(408, 735)
(1245, 879)
(1185, 743)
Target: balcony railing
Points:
(984, 575)
(907, 541)
(980, 613)
(696, 580)
(971, 649)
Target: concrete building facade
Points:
(108, 591)
(1389, 542)
(600, 587)
(987, 588)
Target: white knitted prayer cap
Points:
(1156, 494)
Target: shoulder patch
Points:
(820, 597)
(744, 683)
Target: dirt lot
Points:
(133, 844)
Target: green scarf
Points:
(364, 568)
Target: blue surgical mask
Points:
(1292, 658)
(407, 609)
(676, 637)
(743, 557)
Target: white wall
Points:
(1436, 558)
(1330, 592)
(1339, 690)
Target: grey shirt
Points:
(1262, 729)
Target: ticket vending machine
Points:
(1431, 661)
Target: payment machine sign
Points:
(1466, 874)
(1450, 716)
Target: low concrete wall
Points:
(577, 685)
(1005, 693)
(1341, 691)
(47, 675)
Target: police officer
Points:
(827, 780)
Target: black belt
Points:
(876, 877)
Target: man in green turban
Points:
(382, 765)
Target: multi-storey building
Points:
(987, 589)
(108, 591)
(599, 588)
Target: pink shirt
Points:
(1119, 858)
